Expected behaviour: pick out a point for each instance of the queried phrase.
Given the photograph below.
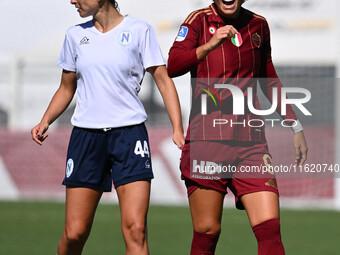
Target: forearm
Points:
(171, 102)
(169, 94)
(181, 61)
(173, 108)
(220, 36)
(60, 101)
(203, 50)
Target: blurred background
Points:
(305, 38)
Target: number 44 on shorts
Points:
(142, 150)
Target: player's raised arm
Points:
(60, 101)
(186, 53)
(171, 101)
(182, 55)
(222, 34)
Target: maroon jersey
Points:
(239, 62)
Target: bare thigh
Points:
(134, 201)
(261, 206)
(206, 210)
(81, 204)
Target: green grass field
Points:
(34, 228)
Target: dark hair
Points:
(242, 2)
(115, 4)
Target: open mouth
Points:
(228, 2)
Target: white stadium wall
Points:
(304, 35)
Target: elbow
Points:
(171, 71)
(175, 68)
(176, 62)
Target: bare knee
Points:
(76, 234)
(135, 233)
(208, 227)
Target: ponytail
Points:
(115, 4)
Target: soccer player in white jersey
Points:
(104, 61)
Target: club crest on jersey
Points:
(256, 38)
(183, 32)
(125, 38)
(212, 30)
(69, 167)
(237, 40)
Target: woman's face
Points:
(229, 8)
(86, 7)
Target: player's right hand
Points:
(38, 132)
(221, 35)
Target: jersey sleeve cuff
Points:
(160, 63)
(193, 57)
(66, 67)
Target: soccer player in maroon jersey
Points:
(225, 43)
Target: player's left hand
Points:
(178, 139)
(300, 147)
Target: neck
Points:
(107, 17)
(230, 16)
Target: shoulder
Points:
(79, 28)
(254, 17)
(136, 24)
(198, 15)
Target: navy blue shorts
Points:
(96, 157)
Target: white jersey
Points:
(110, 68)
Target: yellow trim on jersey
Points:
(189, 17)
(259, 16)
(254, 15)
(212, 7)
(193, 13)
(205, 10)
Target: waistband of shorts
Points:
(107, 130)
(229, 142)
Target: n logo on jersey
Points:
(183, 32)
(125, 38)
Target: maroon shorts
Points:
(243, 167)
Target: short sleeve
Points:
(150, 51)
(67, 58)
